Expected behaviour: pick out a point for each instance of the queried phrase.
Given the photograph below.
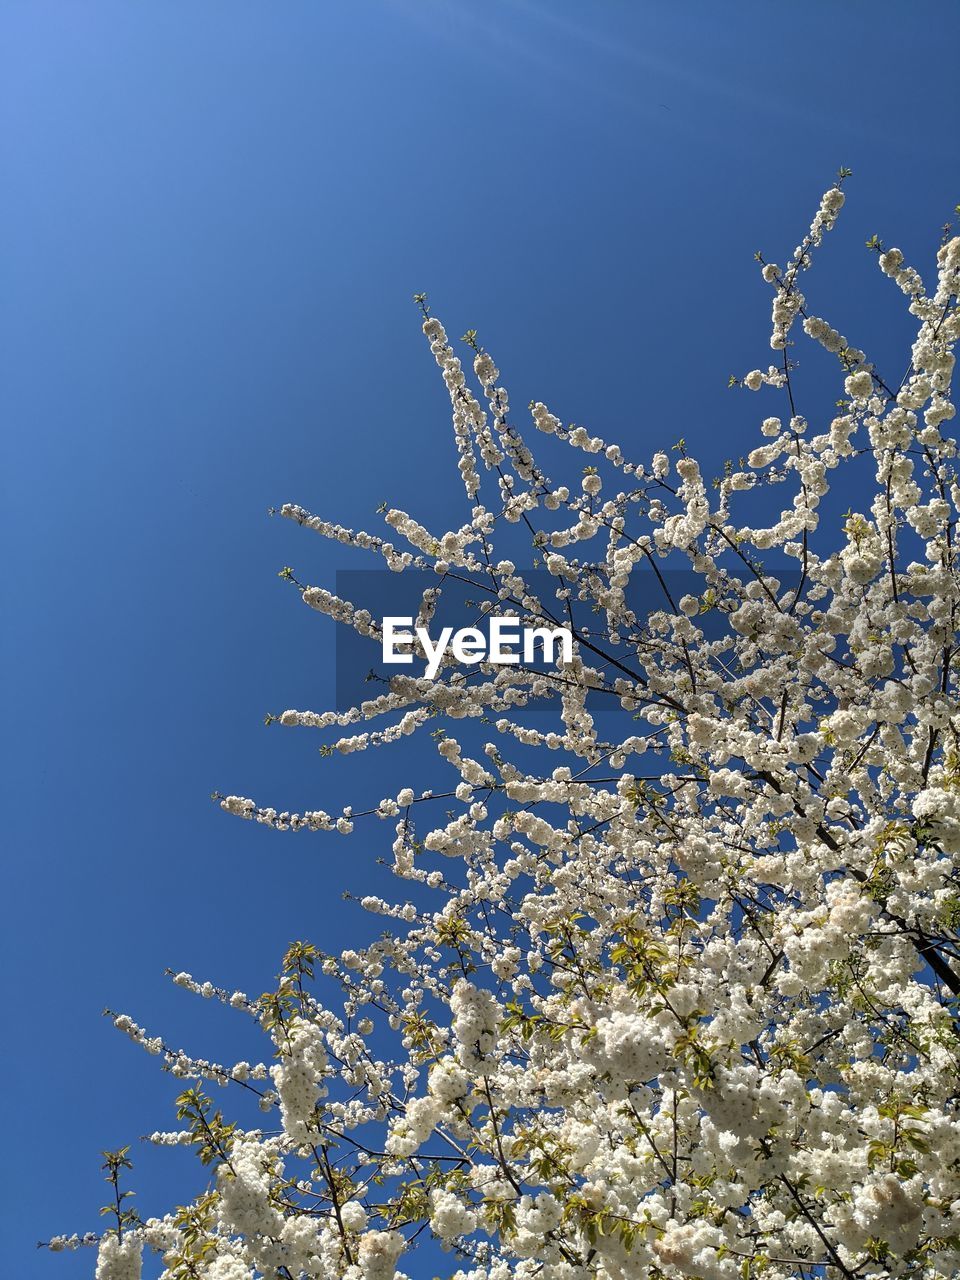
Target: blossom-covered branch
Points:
(683, 1003)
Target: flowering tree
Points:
(687, 1004)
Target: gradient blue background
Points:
(214, 216)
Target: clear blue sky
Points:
(215, 213)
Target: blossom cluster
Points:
(684, 1004)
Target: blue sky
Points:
(215, 215)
